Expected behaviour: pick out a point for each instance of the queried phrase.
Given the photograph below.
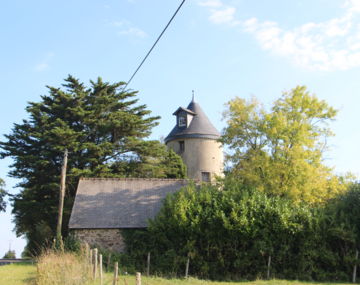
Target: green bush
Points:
(72, 244)
(125, 262)
(10, 254)
(232, 232)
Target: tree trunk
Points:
(268, 267)
(187, 267)
(355, 266)
(148, 265)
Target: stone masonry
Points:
(200, 155)
(110, 239)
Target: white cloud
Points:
(133, 31)
(224, 15)
(44, 63)
(352, 5)
(219, 12)
(211, 3)
(329, 45)
(126, 28)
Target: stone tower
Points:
(194, 138)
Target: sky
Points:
(218, 48)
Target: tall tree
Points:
(281, 151)
(105, 131)
(346, 212)
(2, 195)
(10, 254)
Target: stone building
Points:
(104, 207)
(194, 138)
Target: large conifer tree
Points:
(104, 129)
(2, 195)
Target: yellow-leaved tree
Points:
(281, 151)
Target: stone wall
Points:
(110, 239)
(200, 155)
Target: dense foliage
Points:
(2, 195)
(10, 254)
(345, 213)
(230, 234)
(104, 129)
(281, 151)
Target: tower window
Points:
(181, 146)
(205, 176)
(182, 121)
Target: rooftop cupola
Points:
(183, 117)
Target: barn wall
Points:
(110, 239)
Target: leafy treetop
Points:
(10, 254)
(281, 151)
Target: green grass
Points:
(17, 274)
(21, 274)
(191, 281)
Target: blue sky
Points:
(219, 48)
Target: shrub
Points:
(72, 244)
(232, 231)
(10, 254)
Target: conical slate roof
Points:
(200, 126)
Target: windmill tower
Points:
(194, 138)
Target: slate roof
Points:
(200, 126)
(185, 110)
(103, 203)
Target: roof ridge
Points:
(184, 109)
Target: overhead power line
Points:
(159, 37)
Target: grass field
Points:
(17, 274)
(21, 274)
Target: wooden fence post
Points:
(95, 262)
(101, 269)
(148, 265)
(116, 272)
(138, 278)
(91, 257)
(187, 267)
(87, 251)
(268, 267)
(355, 266)
(108, 263)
